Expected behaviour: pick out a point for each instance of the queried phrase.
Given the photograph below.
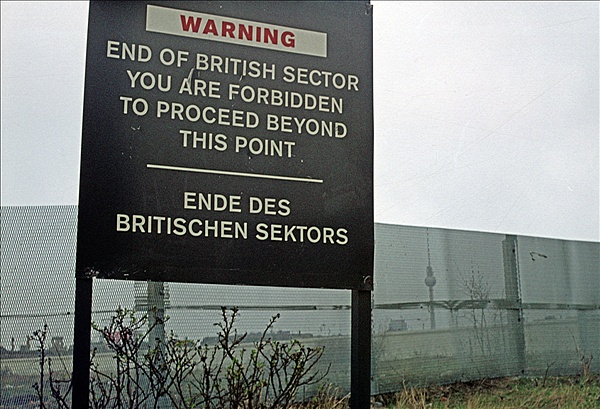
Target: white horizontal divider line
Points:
(230, 173)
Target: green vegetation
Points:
(580, 392)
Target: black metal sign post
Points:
(360, 350)
(82, 343)
(241, 128)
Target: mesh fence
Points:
(454, 305)
(448, 305)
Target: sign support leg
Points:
(360, 350)
(82, 343)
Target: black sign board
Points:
(228, 142)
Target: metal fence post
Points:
(156, 322)
(512, 287)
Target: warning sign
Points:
(228, 142)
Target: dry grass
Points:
(327, 398)
(563, 392)
(505, 393)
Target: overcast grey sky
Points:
(486, 113)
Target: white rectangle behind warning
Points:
(235, 31)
